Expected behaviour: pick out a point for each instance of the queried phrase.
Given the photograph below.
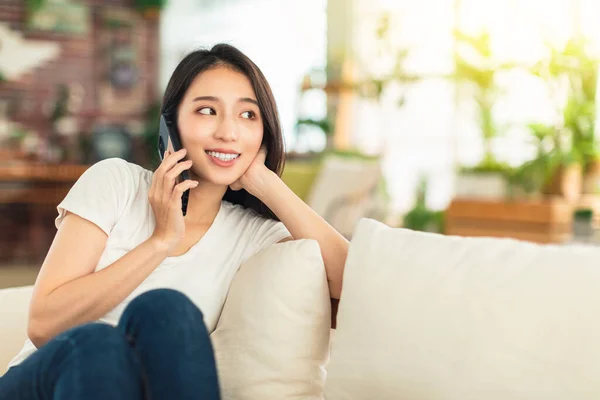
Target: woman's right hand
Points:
(165, 198)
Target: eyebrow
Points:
(217, 100)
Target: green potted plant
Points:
(580, 113)
(420, 217)
(555, 170)
(569, 146)
(583, 225)
(475, 71)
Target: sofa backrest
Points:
(425, 316)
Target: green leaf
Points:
(145, 4)
(322, 124)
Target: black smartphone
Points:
(168, 132)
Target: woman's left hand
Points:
(253, 178)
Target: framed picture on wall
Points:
(121, 46)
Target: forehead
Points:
(222, 82)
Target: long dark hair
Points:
(201, 60)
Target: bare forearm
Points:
(304, 223)
(90, 297)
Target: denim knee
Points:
(163, 308)
(96, 344)
(95, 338)
(98, 363)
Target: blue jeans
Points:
(159, 350)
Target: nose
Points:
(226, 131)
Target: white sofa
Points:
(14, 307)
(432, 317)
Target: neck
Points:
(204, 203)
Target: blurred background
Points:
(462, 117)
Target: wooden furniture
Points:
(37, 183)
(541, 221)
(29, 194)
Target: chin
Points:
(220, 179)
(220, 176)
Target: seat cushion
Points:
(426, 316)
(272, 339)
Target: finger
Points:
(175, 200)
(170, 160)
(170, 179)
(171, 176)
(158, 176)
(167, 163)
(156, 184)
(235, 186)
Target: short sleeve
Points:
(99, 195)
(265, 232)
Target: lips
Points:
(222, 158)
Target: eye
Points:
(248, 114)
(206, 111)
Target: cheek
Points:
(194, 132)
(254, 139)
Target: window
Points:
(435, 131)
(284, 38)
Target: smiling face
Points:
(220, 125)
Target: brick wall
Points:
(77, 63)
(26, 230)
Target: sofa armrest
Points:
(14, 310)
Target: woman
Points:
(116, 307)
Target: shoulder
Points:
(105, 192)
(118, 171)
(124, 181)
(118, 165)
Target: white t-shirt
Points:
(113, 194)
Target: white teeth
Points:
(222, 156)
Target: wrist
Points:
(264, 184)
(159, 245)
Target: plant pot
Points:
(583, 225)
(566, 182)
(591, 178)
(481, 185)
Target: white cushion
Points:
(272, 339)
(425, 316)
(14, 309)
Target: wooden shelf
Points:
(36, 183)
(541, 221)
(30, 172)
(50, 196)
